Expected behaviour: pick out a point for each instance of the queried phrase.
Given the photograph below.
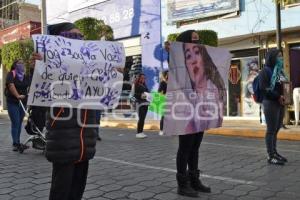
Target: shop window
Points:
(234, 88)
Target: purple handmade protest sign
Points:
(77, 73)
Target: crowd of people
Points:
(70, 146)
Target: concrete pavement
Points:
(127, 168)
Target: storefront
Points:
(242, 72)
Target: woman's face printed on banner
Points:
(194, 63)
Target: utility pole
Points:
(44, 17)
(278, 25)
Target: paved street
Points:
(127, 168)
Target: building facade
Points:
(135, 23)
(247, 28)
(18, 21)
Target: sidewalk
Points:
(232, 127)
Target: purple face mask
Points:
(71, 35)
(20, 71)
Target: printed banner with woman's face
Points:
(196, 92)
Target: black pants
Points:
(142, 112)
(188, 152)
(274, 113)
(161, 126)
(68, 181)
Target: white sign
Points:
(76, 73)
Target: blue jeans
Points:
(16, 115)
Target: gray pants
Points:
(274, 113)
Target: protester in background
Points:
(17, 86)
(270, 84)
(98, 118)
(69, 145)
(189, 183)
(163, 89)
(140, 90)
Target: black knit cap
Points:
(56, 29)
(185, 36)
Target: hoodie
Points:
(265, 78)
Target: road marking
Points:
(247, 147)
(221, 178)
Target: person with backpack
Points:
(17, 86)
(270, 86)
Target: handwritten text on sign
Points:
(76, 73)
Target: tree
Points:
(94, 29)
(16, 50)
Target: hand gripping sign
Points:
(77, 73)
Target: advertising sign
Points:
(182, 10)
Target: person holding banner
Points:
(140, 93)
(163, 90)
(189, 183)
(17, 85)
(69, 145)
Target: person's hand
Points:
(20, 97)
(143, 96)
(34, 57)
(281, 100)
(120, 69)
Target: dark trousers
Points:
(161, 125)
(274, 113)
(142, 112)
(68, 181)
(188, 152)
(16, 115)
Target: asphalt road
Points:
(128, 168)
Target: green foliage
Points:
(94, 29)
(207, 37)
(172, 37)
(16, 50)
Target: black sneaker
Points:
(275, 161)
(280, 157)
(15, 147)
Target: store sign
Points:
(182, 10)
(234, 74)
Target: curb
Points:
(225, 131)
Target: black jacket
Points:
(71, 140)
(139, 89)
